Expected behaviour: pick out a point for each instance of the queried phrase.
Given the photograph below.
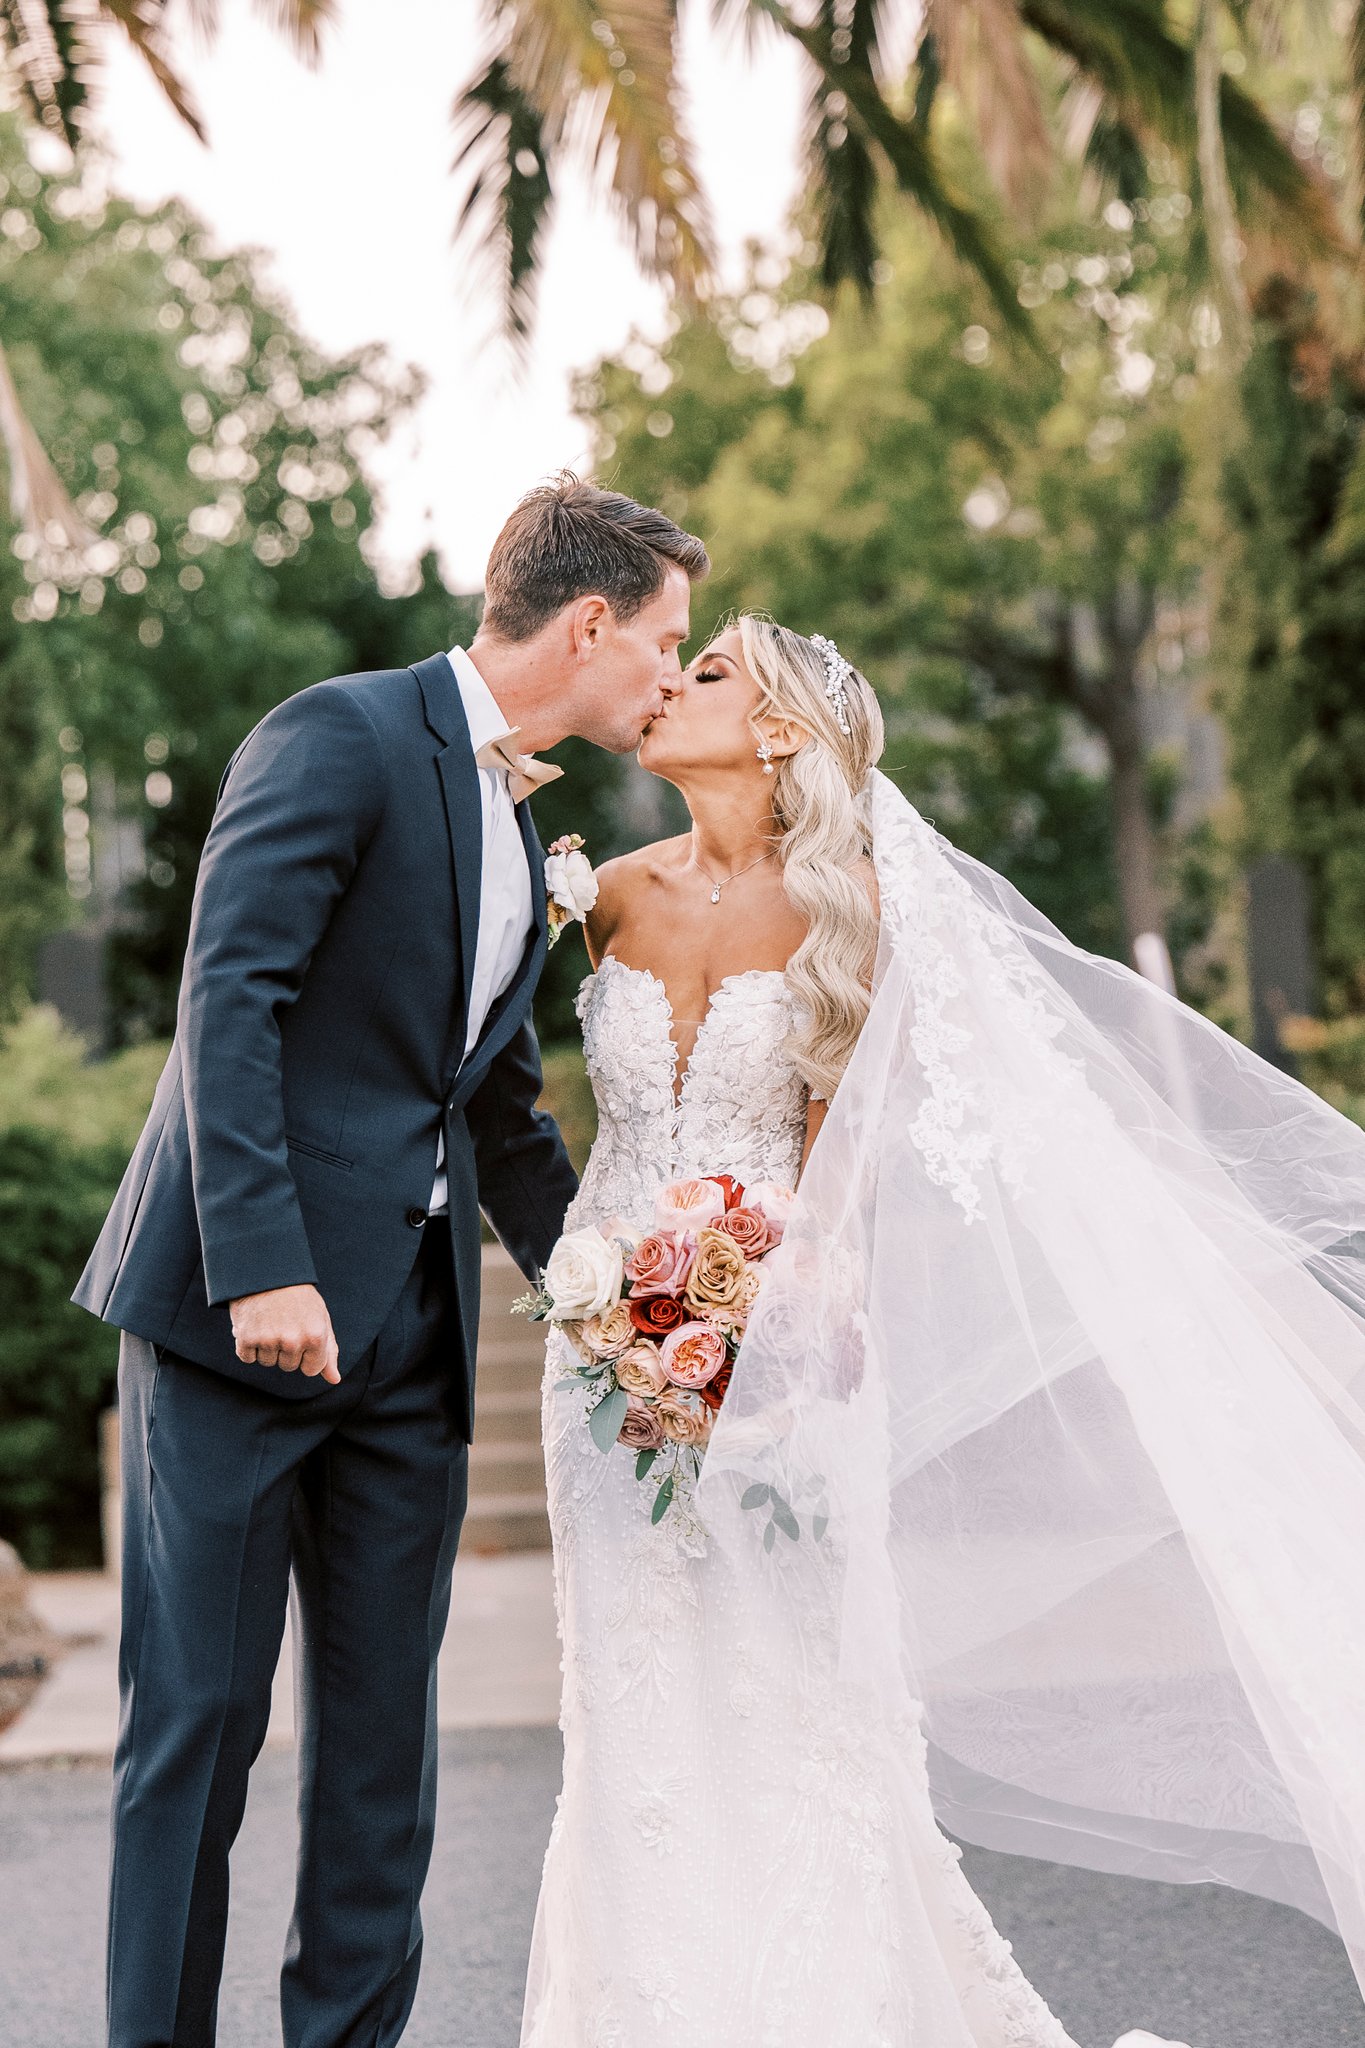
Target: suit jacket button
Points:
(417, 1217)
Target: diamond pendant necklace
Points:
(717, 886)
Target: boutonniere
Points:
(570, 884)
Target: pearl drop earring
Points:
(765, 755)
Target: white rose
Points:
(584, 1276)
(570, 880)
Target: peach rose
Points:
(685, 1205)
(717, 1273)
(640, 1370)
(642, 1429)
(773, 1202)
(681, 1421)
(750, 1230)
(692, 1355)
(660, 1263)
(609, 1334)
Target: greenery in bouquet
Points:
(656, 1321)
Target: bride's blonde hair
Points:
(822, 803)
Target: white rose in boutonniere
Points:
(570, 883)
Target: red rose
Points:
(750, 1231)
(656, 1314)
(729, 1187)
(713, 1393)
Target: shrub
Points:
(67, 1126)
(57, 1364)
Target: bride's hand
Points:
(288, 1327)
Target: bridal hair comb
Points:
(837, 671)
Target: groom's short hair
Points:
(568, 539)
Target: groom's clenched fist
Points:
(288, 1327)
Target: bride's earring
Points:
(765, 755)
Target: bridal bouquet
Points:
(656, 1321)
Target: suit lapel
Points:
(459, 779)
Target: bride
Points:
(1033, 1499)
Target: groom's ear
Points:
(588, 618)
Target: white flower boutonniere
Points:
(570, 884)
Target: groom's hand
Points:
(288, 1327)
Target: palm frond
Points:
(1147, 76)
(911, 161)
(49, 58)
(143, 21)
(842, 178)
(39, 500)
(499, 140)
(304, 23)
(603, 78)
(1355, 62)
(981, 48)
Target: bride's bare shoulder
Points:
(623, 883)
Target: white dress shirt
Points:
(505, 905)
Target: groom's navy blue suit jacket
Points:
(320, 1037)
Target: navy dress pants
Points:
(358, 1495)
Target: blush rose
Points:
(692, 1355)
(660, 1263)
(685, 1205)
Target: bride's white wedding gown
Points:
(731, 1865)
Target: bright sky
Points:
(342, 176)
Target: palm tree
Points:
(52, 53)
(571, 80)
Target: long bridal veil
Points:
(1053, 1407)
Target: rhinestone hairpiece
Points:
(837, 672)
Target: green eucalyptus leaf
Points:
(664, 1501)
(819, 1526)
(786, 1521)
(754, 1497)
(769, 1537)
(606, 1419)
(643, 1463)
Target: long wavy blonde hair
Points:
(822, 804)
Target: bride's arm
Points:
(816, 1112)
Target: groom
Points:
(293, 1258)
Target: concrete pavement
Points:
(1195, 1964)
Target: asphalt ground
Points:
(1195, 1963)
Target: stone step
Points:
(506, 1521)
(505, 1468)
(507, 1415)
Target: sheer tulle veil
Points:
(1053, 1407)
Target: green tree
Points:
(1290, 567)
(990, 535)
(217, 455)
(1114, 76)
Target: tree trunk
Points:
(1134, 840)
(1220, 213)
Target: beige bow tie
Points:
(524, 772)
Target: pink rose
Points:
(641, 1430)
(660, 1263)
(693, 1354)
(773, 1202)
(750, 1230)
(685, 1205)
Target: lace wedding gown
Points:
(728, 1867)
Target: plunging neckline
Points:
(682, 1069)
